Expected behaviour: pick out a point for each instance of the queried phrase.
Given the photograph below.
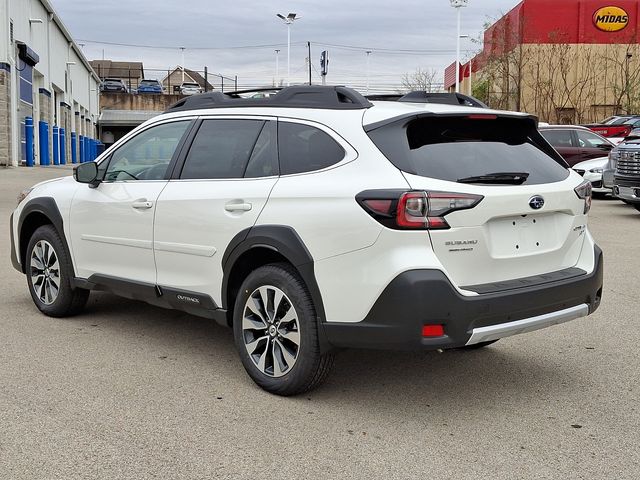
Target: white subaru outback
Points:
(314, 220)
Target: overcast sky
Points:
(208, 29)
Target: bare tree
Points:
(625, 79)
(421, 80)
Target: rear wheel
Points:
(49, 274)
(276, 332)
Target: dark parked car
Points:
(149, 86)
(113, 85)
(576, 144)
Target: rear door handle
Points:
(142, 204)
(238, 207)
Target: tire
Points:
(637, 206)
(48, 264)
(477, 346)
(266, 338)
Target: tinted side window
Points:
(264, 158)
(221, 149)
(303, 148)
(557, 138)
(147, 155)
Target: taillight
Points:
(584, 192)
(416, 210)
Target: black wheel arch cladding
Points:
(47, 207)
(282, 239)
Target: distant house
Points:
(173, 80)
(129, 72)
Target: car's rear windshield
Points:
(152, 82)
(190, 84)
(455, 148)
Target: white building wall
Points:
(62, 67)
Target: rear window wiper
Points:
(506, 178)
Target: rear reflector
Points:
(432, 330)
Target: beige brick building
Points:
(567, 62)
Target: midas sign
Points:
(610, 19)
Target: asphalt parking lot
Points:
(130, 391)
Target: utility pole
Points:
(368, 52)
(275, 83)
(309, 51)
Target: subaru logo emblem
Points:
(536, 202)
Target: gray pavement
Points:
(129, 391)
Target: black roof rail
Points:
(388, 97)
(421, 96)
(299, 96)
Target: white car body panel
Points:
(193, 227)
(588, 165)
(109, 235)
(512, 239)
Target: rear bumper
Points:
(418, 297)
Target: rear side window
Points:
(222, 149)
(456, 148)
(303, 148)
(558, 138)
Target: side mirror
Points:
(87, 173)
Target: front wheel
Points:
(276, 332)
(49, 274)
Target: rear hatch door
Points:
(530, 220)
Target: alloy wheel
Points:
(271, 331)
(45, 272)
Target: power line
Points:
(169, 47)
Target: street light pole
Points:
(277, 67)
(458, 4)
(288, 20)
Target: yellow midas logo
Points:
(610, 19)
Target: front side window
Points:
(147, 155)
(590, 140)
(303, 148)
(230, 149)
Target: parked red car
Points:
(621, 127)
(576, 144)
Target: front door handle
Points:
(142, 204)
(238, 207)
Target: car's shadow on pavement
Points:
(384, 381)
